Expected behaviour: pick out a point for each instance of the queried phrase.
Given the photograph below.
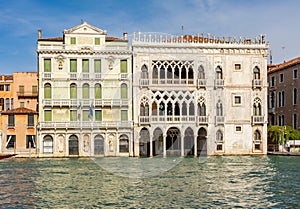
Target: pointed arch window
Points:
(219, 73)
(144, 72)
(257, 107)
(256, 73)
(201, 73)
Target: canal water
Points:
(223, 182)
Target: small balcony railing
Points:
(257, 83)
(47, 76)
(201, 83)
(219, 120)
(172, 82)
(144, 82)
(144, 120)
(202, 120)
(256, 120)
(73, 75)
(123, 76)
(219, 83)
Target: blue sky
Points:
(20, 20)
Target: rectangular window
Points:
(11, 120)
(11, 141)
(7, 87)
(219, 147)
(73, 40)
(237, 100)
(85, 65)
(97, 41)
(73, 115)
(34, 90)
(123, 66)
(47, 115)
(281, 77)
(237, 66)
(124, 115)
(272, 83)
(98, 115)
(97, 66)
(294, 121)
(1, 87)
(73, 65)
(238, 128)
(30, 141)
(47, 65)
(295, 74)
(22, 104)
(30, 120)
(21, 90)
(7, 104)
(85, 115)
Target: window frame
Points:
(30, 120)
(11, 120)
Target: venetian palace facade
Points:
(162, 95)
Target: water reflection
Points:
(216, 182)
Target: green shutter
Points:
(85, 91)
(98, 91)
(123, 91)
(85, 66)
(47, 115)
(97, 41)
(123, 66)
(73, 40)
(73, 65)
(98, 115)
(47, 91)
(73, 91)
(85, 115)
(124, 115)
(73, 115)
(47, 65)
(97, 66)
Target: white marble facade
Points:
(162, 95)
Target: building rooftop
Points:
(285, 64)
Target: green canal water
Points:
(223, 182)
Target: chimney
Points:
(39, 33)
(125, 36)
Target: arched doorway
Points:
(73, 145)
(189, 142)
(202, 142)
(123, 144)
(157, 142)
(98, 145)
(144, 143)
(173, 142)
(48, 144)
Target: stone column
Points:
(151, 144)
(164, 146)
(182, 144)
(195, 145)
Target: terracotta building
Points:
(19, 114)
(284, 90)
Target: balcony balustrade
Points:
(85, 124)
(123, 76)
(167, 82)
(86, 102)
(219, 120)
(219, 83)
(201, 83)
(257, 120)
(27, 94)
(202, 120)
(257, 83)
(144, 120)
